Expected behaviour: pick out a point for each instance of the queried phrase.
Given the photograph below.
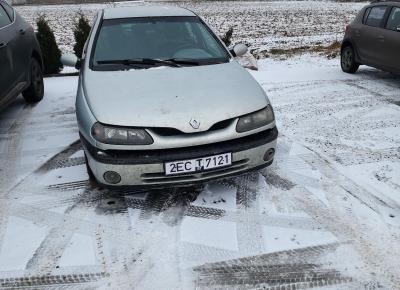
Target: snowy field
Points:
(326, 214)
(263, 25)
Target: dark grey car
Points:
(373, 38)
(20, 58)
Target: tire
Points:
(34, 93)
(348, 60)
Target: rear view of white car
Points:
(162, 102)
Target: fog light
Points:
(269, 154)
(112, 177)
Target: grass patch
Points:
(330, 51)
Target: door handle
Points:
(381, 38)
(22, 31)
(2, 45)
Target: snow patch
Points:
(21, 239)
(79, 252)
(218, 234)
(281, 239)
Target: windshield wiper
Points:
(203, 61)
(183, 61)
(140, 61)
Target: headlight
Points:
(255, 120)
(120, 136)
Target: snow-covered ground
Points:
(261, 24)
(326, 214)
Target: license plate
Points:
(198, 164)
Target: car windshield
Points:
(156, 41)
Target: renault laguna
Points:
(162, 102)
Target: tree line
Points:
(50, 50)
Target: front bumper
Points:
(145, 168)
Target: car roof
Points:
(385, 2)
(145, 11)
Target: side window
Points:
(4, 19)
(366, 15)
(375, 16)
(9, 10)
(394, 20)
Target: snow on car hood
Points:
(171, 97)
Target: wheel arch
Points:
(348, 42)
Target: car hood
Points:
(172, 97)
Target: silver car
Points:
(162, 102)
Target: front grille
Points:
(160, 177)
(161, 131)
(167, 132)
(221, 125)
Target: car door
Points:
(391, 35)
(20, 44)
(370, 36)
(6, 62)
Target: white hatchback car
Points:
(161, 101)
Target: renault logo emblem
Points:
(194, 123)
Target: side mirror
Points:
(239, 49)
(71, 60)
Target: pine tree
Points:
(81, 33)
(51, 52)
(227, 38)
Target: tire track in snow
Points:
(47, 255)
(74, 185)
(292, 269)
(347, 224)
(118, 257)
(249, 234)
(148, 209)
(160, 213)
(10, 164)
(374, 201)
(51, 249)
(380, 95)
(52, 219)
(61, 157)
(70, 281)
(65, 163)
(155, 221)
(333, 188)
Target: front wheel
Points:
(34, 93)
(348, 60)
